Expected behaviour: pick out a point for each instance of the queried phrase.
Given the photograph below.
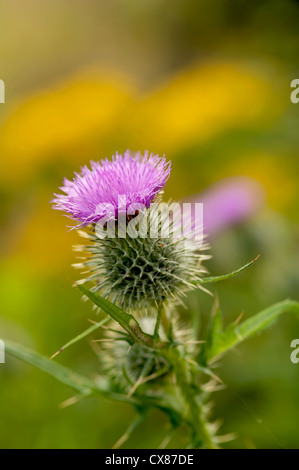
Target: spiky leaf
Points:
(224, 340)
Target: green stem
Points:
(193, 412)
(158, 321)
(167, 325)
(126, 320)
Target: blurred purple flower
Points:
(99, 192)
(228, 202)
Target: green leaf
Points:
(209, 280)
(125, 320)
(215, 330)
(81, 384)
(234, 334)
(87, 387)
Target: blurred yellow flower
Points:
(279, 181)
(44, 244)
(83, 116)
(59, 119)
(202, 102)
(77, 117)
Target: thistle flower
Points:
(137, 272)
(96, 193)
(229, 202)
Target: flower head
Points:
(142, 260)
(96, 193)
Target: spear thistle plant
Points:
(139, 261)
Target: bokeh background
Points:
(207, 84)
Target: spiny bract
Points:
(127, 364)
(141, 273)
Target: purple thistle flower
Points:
(97, 193)
(229, 202)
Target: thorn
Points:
(166, 439)
(56, 354)
(121, 441)
(70, 401)
(207, 371)
(237, 321)
(216, 305)
(135, 386)
(226, 438)
(105, 340)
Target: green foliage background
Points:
(207, 83)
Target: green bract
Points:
(144, 272)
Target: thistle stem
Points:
(157, 326)
(193, 412)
